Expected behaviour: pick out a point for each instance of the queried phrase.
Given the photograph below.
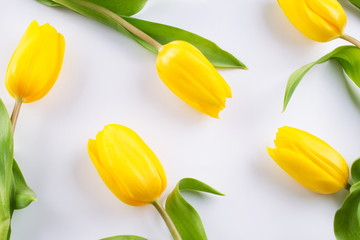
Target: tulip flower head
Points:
(319, 20)
(310, 161)
(190, 75)
(36, 63)
(127, 165)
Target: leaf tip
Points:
(286, 101)
(241, 65)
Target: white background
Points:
(108, 78)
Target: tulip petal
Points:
(319, 20)
(187, 73)
(36, 63)
(312, 147)
(116, 189)
(331, 11)
(59, 46)
(305, 171)
(30, 32)
(132, 165)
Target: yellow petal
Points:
(131, 164)
(331, 11)
(310, 160)
(319, 20)
(115, 188)
(187, 72)
(36, 63)
(306, 172)
(313, 148)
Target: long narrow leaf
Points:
(160, 32)
(165, 34)
(6, 176)
(124, 237)
(355, 2)
(347, 56)
(49, 3)
(121, 7)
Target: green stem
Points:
(106, 12)
(15, 113)
(170, 224)
(5, 229)
(351, 40)
(348, 186)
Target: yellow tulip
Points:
(36, 63)
(319, 20)
(127, 165)
(310, 161)
(190, 75)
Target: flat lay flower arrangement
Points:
(193, 68)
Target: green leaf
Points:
(355, 171)
(160, 32)
(355, 2)
(14, 192)
(23, 194)
(121, 7)
(49, 3)
(347, 56)
(347, 218)
(184, 216)
(124, 237)
(6, 176)
(165, 34)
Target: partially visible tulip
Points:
(319, 20)
(190, 75)
(127, 165)
(310, 161)
(36, 63)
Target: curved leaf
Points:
(355, 171)
(347, 56)
(184, 216)
(165, 34)
(124, 237)
(160, 32)
(23, 194)
(355, 2)
(347, 218)
(49, 3)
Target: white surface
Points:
(108, 78)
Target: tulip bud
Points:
(310, 161)
(319, 20)
(190, 75)
(127, 165)
(36, 63)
